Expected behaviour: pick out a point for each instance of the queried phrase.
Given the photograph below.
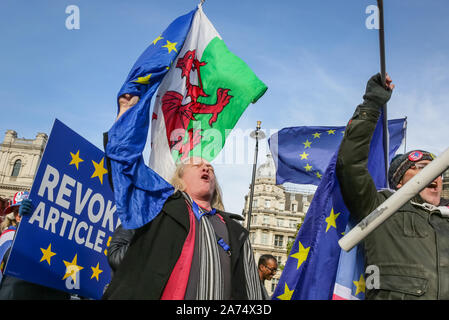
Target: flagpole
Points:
(256, 134)
(383, 76)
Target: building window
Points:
(16, 168)
(254, 220)
(278, 240)
(280, 222)
(264, 239)
(267, 203)
(294, 206)
(255, 203)
(266, 220)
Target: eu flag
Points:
(311, 267)
(140, 192)
(302, 154)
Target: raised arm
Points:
(357, 186)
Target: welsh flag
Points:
(203, 89)
(200, 99)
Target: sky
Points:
(314, 56)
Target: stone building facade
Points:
(446, 184)
(19, 160)
(276, 213)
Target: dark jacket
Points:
(156, 247)
(120, 242)
(411, 248)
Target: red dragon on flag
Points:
(178, 116)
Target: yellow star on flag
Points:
(72, 268)
(143, 80)
(304, 155)
(157, 39)
(287, 295)
(301, 255)
(47, 254)
(96, 271)
(308, 167)
(331, 131)
(359, 285)
(318, 175)
(100, 171)
(316, 135)
(331, 220)
(307, 144)
(75, 159)
(170, 46)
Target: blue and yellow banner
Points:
(63, 243)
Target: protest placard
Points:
(63, 243)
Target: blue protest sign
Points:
(63, 243)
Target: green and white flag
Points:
(200, 99)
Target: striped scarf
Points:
(210, 284)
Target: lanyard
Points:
(199, 212)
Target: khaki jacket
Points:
(411, 248)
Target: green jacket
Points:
(411, 248)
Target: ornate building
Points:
(276, 213)
(446, 184)
(19, 160)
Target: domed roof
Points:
(267, 169)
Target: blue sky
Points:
(314, 56)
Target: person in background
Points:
(267, 268)
(12, 288)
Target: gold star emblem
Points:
(157, 39)
(301, 255)
(170, 46)
(304, 155)
(96, 271)
(100, 171)
(308, 167)
(107, 245)
(331, 220)
(75, 159)
(47, 254)
(143, 80)
(307, 144)
(72, 269)
(318, 175)
(331, 131)
(359, 285)
(287, 295)
(316, 135)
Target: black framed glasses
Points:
(272, 270)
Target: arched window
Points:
(16, 168)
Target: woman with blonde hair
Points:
(185, 245)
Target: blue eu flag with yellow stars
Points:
(302, 154)
(311, 268)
